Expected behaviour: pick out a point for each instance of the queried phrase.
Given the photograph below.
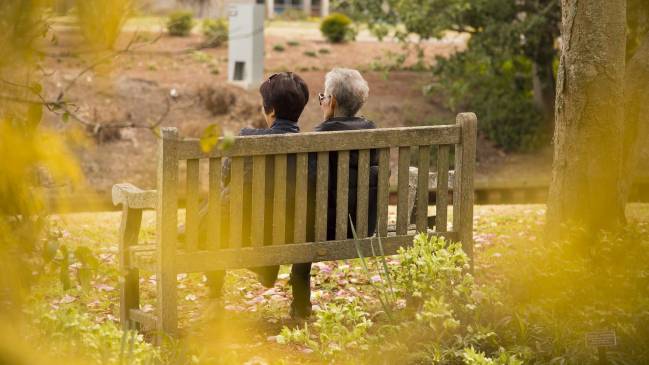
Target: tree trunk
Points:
(636, 113)
(586, 186)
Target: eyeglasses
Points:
(322, 96)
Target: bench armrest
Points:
(133, 197)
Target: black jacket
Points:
(343, 124)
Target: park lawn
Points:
(242, 327)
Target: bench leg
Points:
(130, 288)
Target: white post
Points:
(246, 45)
(324, 8)
(270, 8)
(306, 7)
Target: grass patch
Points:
(509, 249)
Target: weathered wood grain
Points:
(383, 192)
(329, 141)
(322, 186)
(279, 201)
(441, 195)
(289, 254)
(167, 231)
(301, 186)
(469, 124)
(130, 286)
(133, 197)
(214, 204)
(236, 203)
(147, 320)
(342, 195)
(422, 189)
(191, 208)
(402, 189)
(362, 193)
(258, 201)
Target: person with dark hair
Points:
(345, 92)
(284, 96)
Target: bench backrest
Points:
(459, 137)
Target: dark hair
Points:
(286, 94)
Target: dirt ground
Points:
(173, 82)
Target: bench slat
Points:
(362, 192)
(465, 155)
(191, 212)
(322, 185)
(342, 198)
(236, 203)
(402, 189)
(290, 254)
(441, 195)
(258, 200)
(279, 201)
(146, 320)
(422, 188)
(329, 141)
(214, 204)
(141, 255)
(167, 231)
(301, 186)
(383, 192)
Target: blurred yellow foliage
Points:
(35, 159)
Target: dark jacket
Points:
(343, 124)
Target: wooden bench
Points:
(167, 259)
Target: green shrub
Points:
(324, 51)
(278, 48)
(293, 43)
(180, 23)
(310, 54)
(380, 30)
(498, 91)
(215, 32)
(337, 28)
(338, 328)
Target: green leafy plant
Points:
(278, 48)
(215, 32)
(338, 328)
(506, 73)
(74, 332)
(336, 28)
(499, 94)
(310, 54)
(293, 43)
(385, 292)
(180, 23)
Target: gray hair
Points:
(349, 88)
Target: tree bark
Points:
(636, 113)
(586, 186)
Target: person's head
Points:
(345, 92)
(284, 96)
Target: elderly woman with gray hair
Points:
(345, 93)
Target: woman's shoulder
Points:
(345, 124)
